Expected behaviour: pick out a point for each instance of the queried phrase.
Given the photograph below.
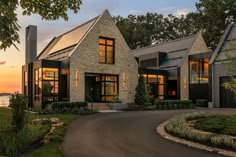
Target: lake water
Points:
(4, 100)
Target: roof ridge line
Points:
(89, 29)
(78, 26)
(166, 42)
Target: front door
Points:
(92, 89)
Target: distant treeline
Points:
(5, 94)
(211, 18)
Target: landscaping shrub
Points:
(173, 104)
(72, 107)
(220, 124)
(202, 103)
(179, 127)
(141, 97)
(15, 143)
(18, 103)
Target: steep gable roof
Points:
(224, 44)
(176, 51)
(62, 47)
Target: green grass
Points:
(53, 148)
(49, 150)
(179, 126)
(220, 124)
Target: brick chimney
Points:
(30, 44)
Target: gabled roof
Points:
(62, 47)
(176, 51)
(225, 44)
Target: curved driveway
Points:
(124, 134)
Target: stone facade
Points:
(85, 59)
(199, 46)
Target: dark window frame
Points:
(200, 61)
(107, 45)
(146, 82)
(53, 96)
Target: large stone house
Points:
(91, 62)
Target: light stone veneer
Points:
(85, 59)
(199, 46)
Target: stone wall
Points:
(199, 46)
(85, 59)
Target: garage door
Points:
(227, 97)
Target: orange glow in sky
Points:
(10, 79)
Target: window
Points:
(37, 84)
(199, 71)
(109, 87)
(50, 84)
(25, 78)
(46, 84)
(106, 51)
(156, 84)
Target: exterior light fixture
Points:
(124, 80)
(185, 82)
(77, 78)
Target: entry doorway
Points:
(172, 89)
(101, 87)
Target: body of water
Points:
(4, 100)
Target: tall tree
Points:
(144, 30)
(213, 18)
(48, 10)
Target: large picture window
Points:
(46, 84)
(50, 84)
(156, 84)
(101, 87)
(199, 71)
(106, 51)
(109, 87)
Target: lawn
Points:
(53, 147)
(220, 124)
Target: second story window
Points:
(106, 50)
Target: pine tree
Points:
(141, 95)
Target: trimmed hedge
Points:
(202, 103)
(173, 104)
(63, 107)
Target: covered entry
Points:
(101, 87)
(227, 97)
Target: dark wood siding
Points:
(198, 91)
(148, 63)
(227, 97)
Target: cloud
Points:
(2, 62)
(181, 12)
(135, 12)
(169, 9)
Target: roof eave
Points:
(226, 33)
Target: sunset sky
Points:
(11, 60)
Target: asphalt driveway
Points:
(125, 134)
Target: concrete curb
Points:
(161, 131)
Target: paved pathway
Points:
(124, 134)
